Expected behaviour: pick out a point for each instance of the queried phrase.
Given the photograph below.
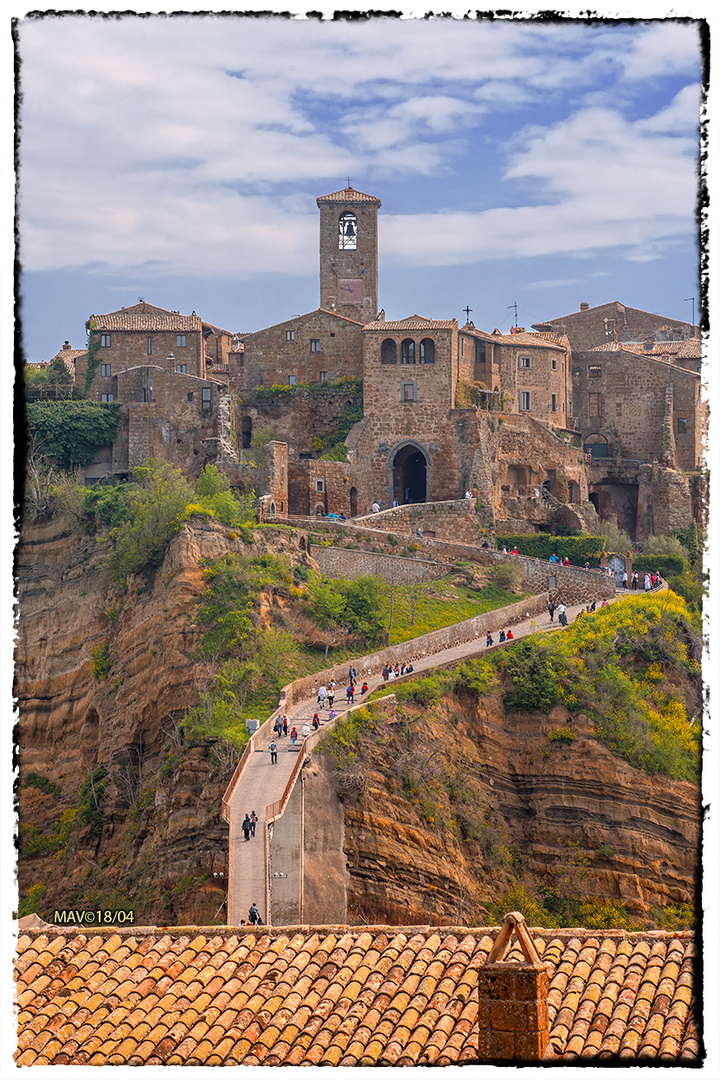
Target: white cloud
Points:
(174, 142)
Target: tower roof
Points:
(348, 195)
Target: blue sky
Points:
(179, 159)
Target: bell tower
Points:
(348, 254)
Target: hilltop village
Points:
(596, 411)
(466, 851)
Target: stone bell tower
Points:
(348, 254)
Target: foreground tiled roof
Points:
(335, 995)
(546, 340)
(348, 194)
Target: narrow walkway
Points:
(263, 783)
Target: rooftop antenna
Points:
(514, 306)
(692, 299)
(467, 311)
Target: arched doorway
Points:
(410, 474)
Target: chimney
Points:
(584, 306)
(66, 346)
(512, 1006)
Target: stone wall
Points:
(270, 357)
(455, 520)
(351, 563)
(588, 327)
(295, 419)
(627, 406)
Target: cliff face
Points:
(454, 804)
(159, 829)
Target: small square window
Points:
(181, 341)
(107, 397)
(525, 400)
(181, 369)
(682, 425)
(104, 341)
(292, 379)
(554, 365)
(594, 371)
(190, 396)
(319, 486)
(289, 335)
(314, 344)
(323, 376)
(105, 369)
(524, 362)
(409, 391)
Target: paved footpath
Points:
(263, 783)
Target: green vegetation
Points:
(92, 789)
(93, 355)
(101, 661)
(578, 549)
(439, 604)
(356, 605)
(32, 901)
(72, 430)
(668, 565)
(42, 783)
(55, 373)
(330, 445)
(608, 665)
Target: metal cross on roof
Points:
(349, 181)
(467, 311)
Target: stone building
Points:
(320, 346)
(592, 326)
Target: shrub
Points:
(562, 735)
(535, 675)
(43, 783)
(578, 549)
(31, 901)
(507, 576)
(101, 662)
(666, 564)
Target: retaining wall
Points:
(349, 563)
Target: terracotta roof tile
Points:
(348, 194)
(415, 322)
(340, 996)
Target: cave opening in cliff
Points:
(409, 475)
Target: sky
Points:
(178, 159)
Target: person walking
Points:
(562, 617)
(634, 583)
(646, 584)
(331, 693)
(350, 694)
(285, 724)
(247, 826)
(551, 611)
(254, 914)
(273, 752)
(352, 675)
(293, 735)
(278, 727)
(305, 731)
(488, 639)
(316, 722)
(253, 822)
(624, 579)
(322, 693)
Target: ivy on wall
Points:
(93, 355)
(73, 430)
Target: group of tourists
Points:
(248, 826)
(390, 672)
(561, 612)
(503, 636)
(563, 562)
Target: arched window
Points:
(347, 231)
(407, 351)
(388, 352)
(427, 351)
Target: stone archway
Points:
(409, 473)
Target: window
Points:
(314, 344)
(554, 365)
(594, 371)
(409, 391)
(105, 369)
(479, 352)
(524, 362)
(462, 346)
(207, 397)
(407, 351)
(388, 352)
(553, 402)
(181, 369)
(347, 231)
(525, 401)
(594, 403)
(181, 341)
(427, 351)
(289, 335)
(320, 486)
(190, 396)
(149, 346)
(323, 376)
(104, 341)
(682, 425)
(107, 397)
(292, 380)
(145, 393)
